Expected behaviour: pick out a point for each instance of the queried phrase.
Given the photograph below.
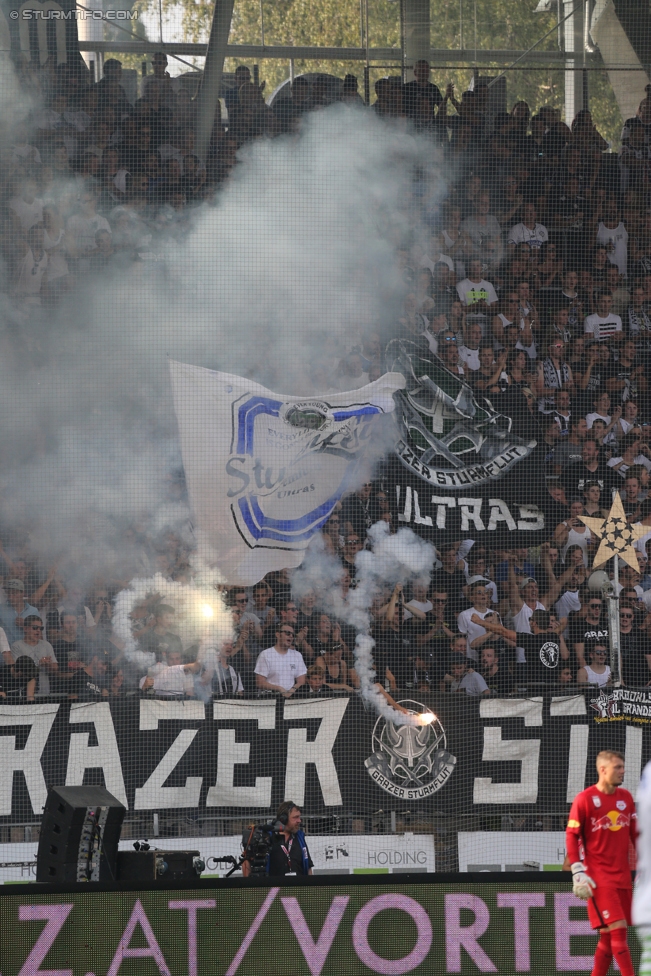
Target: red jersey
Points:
(602, 826)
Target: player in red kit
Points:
(600, 829)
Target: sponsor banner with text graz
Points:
(330, 755)
(354, 927)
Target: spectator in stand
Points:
(109, 91)
(484, 234)
(470, 621)
(26, 208)
(469, 351)
(217, 678)
(315, 686)
(592, 468)
(490, 379)
(160, 79)
(448, 353)
(462, 678)
(604, 325)
(173, 680)
(31, 268)
(281, 668)
(33, 645)
(548, 266)
(91, 681)
(476, 293)
(15, 611)
(420, 88)
(337, 675)
(495, 672)
(552, 374)
(160, 640)
(637, 318)
(18, 681)
(633, 451)
(616, 285)
(596, 673)
(528, 231)
(569, 449)
(612, 234)
(69, 652)
(291, 107)
(626, 380)
(355, 511)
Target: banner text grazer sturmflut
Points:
(330, 755)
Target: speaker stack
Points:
(80, 831)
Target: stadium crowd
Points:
(530, 278)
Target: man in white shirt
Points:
(475, 634)
(528, 231)
(281, 668)
(604, 324)
(419, 599)
(612, 233)
(469, 351)
(484, 232)
(173, 681)
(475, 292)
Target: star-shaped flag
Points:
(616, 534)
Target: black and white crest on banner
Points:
(410, 762)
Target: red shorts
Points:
(609, 905)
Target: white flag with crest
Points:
(264, 471)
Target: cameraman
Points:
(288, 854)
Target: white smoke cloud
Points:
(294, 262)
(403, 557)
(200, 613)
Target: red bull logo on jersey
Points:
(610, 821)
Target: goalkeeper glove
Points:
(582, 883)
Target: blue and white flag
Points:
(265, 471)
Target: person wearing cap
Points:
(15, 610)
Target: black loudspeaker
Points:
(79, 836)
(159, 867)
